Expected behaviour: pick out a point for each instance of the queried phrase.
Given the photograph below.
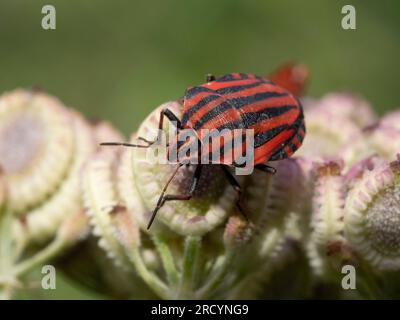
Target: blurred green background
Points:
(119, 59)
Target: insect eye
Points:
(210, 77)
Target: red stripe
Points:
(197, 115)
(267, 124)
(296, 142)
(236, 75)
(269, 103)
(248, 92)
(221, 85)
(301, 132)
(223, 118)
(264, 152)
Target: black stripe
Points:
(223, 106)
(186, 116)
(242, 76)
(236, 103)
(232, 89)
(231, 144)
(227, 146)
(232, 125)
(280, 154)
(298, 123)
(195, 90)
(246, 100)
(293, 148)
(265, 136)
(226, 77)
(300, 137)
(304, 129)
(251, 118)
(225, 90)
(234, 144)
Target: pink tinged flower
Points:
(334, 128)
(348, 106)
(384, 137)
(357, 170)
(328, 134)
(391, 119)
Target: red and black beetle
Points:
(240, 101)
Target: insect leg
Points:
(171, 117)
(164, 112)
(235, 185)
(169, 197)
(265, 168)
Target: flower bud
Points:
(391, 119)
(288, 195)
(328, 204)
(384, 139)
(327, 214)
(101, 200)
(42, 147)
(348, 106)
(36, 146)
(210, 205)
(324, 139)
(372, 219)
(42, 221)
(238, 231)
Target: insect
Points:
(237, 101)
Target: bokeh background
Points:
(119, 59)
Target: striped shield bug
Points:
(238, 101)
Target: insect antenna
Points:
(125, 144)
(160, 200)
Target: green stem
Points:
(366, 290)
(367, 283)
(5, 240)
(167, 260)
(189, 267)
(151, 279)
(40, 258)
(6, 293)
(216, 277)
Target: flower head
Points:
(372, 221)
